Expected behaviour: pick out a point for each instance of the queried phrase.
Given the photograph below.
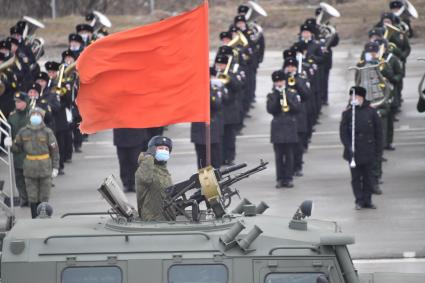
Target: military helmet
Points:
(161, 141)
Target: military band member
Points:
(283, 104)
(86, 32)
(75, 44)
(41, 162)
(367, 142)
(297, 84)
(231, 110)
(197, 130)
(18, 119)
(395, 7)
(62, 124)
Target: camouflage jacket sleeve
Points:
(17, 145)
(53, 148)
(146, 164)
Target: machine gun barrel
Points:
(231, 180)
(232, 168)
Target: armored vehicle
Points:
(208, 245)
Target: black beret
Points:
(299, 46)
(52, 66)
(239, 18)
(2, 57)
(310, 22)
(318, 11)
(389, 16)
(305, 27)
(358, 90)
(34, 86)
(75, 37)
(396, 4)
(222, 59)
(243, 9)
(69, 53)
(233, 29)
(381, 41)
(89, 17)
(225, 50)
(83, 27)
(291, 61)
(288, 53)
(376, 31)
(225, 34)
(371, 47)
(278, 75)
(17, 30)
(20, 95)
(12, 40)
(4, 44)
(42, 76)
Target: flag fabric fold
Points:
(150, 76)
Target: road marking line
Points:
(388, 260)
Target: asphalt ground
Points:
(395, 230)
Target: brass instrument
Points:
(284, 100)
(421, 83)
(59, 90)
(390, 30)
(3, 77)
(378, 89)
(69, 69)
(327, 31)
(98, 23)
(291, 81)
(238, 40)
(224, 76)
(254, 11)
(36, 43)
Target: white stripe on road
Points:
(388, 260)
(332, 146)
(404, 128)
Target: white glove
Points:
(8, 142)
(55, 173)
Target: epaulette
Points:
(13, 84)
(43, 101)
(12, 113)
(292, 90)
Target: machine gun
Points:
(212, 187)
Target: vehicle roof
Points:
(100, 234)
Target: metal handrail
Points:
(309, 247)
(126, 236)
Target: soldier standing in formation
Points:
(367, 145)
(18, 119)
(386, 52)
(41, 162)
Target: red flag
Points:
(149, 76)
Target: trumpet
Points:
(284, 100)
(291, 81)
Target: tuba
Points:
(99, 22)
(36, 43)
(255, 10)
(378, 90)
(327, 31)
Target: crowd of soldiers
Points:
(375, 101)
(232, 91)
(300, 89)
(40, 105)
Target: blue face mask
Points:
(162, 155)
(35, 120)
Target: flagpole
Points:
(208, 143)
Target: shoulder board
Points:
(12, 113)
(292, 90)
(311, 61)
(43, 101)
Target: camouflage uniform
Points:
(42, 155)
(152, 178)
(17, 120)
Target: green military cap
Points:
(20, 95)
